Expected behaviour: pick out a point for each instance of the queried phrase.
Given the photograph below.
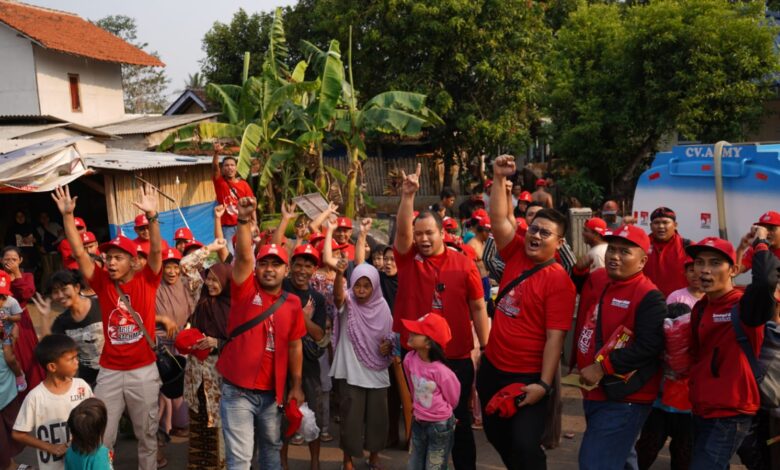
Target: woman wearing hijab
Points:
(362, 333)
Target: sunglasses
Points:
(543, 233)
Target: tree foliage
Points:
(622, 78)
(225, 45)
(144, 87)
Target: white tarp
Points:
(41, 167)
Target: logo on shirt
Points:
(721, 317)
(257, 300)
(423, 390)
(418, 257)
(80, 395)
(122, 328)
(510, 304)
(621, 303)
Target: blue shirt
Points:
(98, 460)
(7, 384)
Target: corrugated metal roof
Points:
(149, 124)
(11, 132)
(132, 160)
(42, 120)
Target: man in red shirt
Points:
(433, 278)
(260, 358)
(229, 188)
(771, 222)
(128, 377)
(628, 378)
(666, 258)
(529, 325)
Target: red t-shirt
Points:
(125, 347)
(444, 283)
(544, 301)
(66, 252)
(350, 251)
(747, 258)
(229, 199)
(257, 359)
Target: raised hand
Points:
(65, 203)
(411, 183)
(508, 185)
(288, 211)
(761, 233)
(218, 148)
(42, 303)
(219, 211)
(147, 199)
(333, 208)
(308, 309)
(246, 207)
(217, 245)
(365, 224)
(504, 166)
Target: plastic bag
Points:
(309, 429)
(677, 355)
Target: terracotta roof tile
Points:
(66, 32)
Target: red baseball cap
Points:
(770, 218)
(450, 239)
(479, 214)
(484, 222)
(343, 222)
(294, 417)
(5, 283)
(88, 237)
(597, 224)
(171, 254)
(688, 261)
(143, 248)
(333, 246)
(720, 245)
(541, 182)
(449, 223)
(79, 222)
(273, 249)
(183, 233)
(186, 339)
(122, 243)
(431, 325)
(193, 244)
(315, 237)
(307, 250)
(141, 220)
(631, 233)
(525, 196)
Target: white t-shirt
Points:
(45, 415)
(597, 254)
(347, 366)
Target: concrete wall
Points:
(100, 85)
(18, 91)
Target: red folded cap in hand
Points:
(503, 402)
(294, 417)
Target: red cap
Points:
(541, 182)
(451, 239)
(183, 233)
(186, 339)
(79, 222)
(5, 283)
(688, 261)
(525, 196)
(431, 325)
(488, 183)
(479, 214)
(771, 218)
(294, 417)
(720, 245)
(633, 234)
(122, 243)
(484, 222)
(597, 224)
(143, 247)
(141, 220)
(307, 250)
(315, 237)
(272, 249)
(343, 222)
(88, 237)
(193, 244)
(333, 246)
(449, 223)
(171, 254)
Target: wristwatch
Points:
(547, 388)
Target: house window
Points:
(75, 98)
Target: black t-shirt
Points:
(320, 315)
(87, 333)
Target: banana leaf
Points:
(253, 134)
(330, 86)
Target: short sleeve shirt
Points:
(228, 194)
(544, 301)
(125, 347)
(87, 333)
(9, 308)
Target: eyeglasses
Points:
(543, 233)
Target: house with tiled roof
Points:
(55, 63)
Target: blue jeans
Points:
(250, 417)
(431, 444)
(715, 440)
(612, 429)
(228, 231)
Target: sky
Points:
(173, 28)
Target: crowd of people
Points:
(245, 343)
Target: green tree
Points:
(622, 78)
(225, 45)
(144, 87)
(195, 81)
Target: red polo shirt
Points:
(544, 301)
(747, 258)
(230, 198)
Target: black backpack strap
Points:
(745, 346)
(248, 325)
(522, 277)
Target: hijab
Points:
(174, 301)
(211, 313)
(368, 324)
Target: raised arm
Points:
(216, 171)
(502, 227)
(510, 210)
(327, 246)
(66, 206)
(404, 220)
(360, 245)
(757, 305)
(222, 252)
(288, 213)
(244, 262)
(147, 203)
(316, 223)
